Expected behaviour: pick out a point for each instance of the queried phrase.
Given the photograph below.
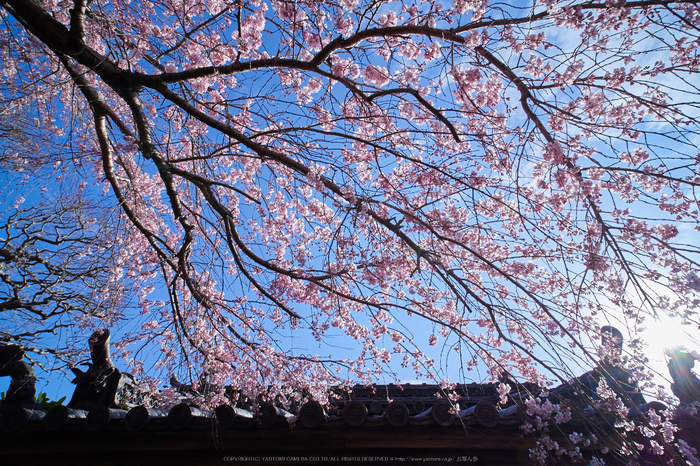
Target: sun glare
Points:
(664, 333)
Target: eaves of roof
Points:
(417, 425)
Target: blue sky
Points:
(335, 344)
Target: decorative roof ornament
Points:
(103, 385)
(686, 385)
(19, 407)
(22, 388)
(100, 394)
(583, 389)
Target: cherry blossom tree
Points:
(56, 273)
(499, 179)
(59, 261)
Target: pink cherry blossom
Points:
(283, 195)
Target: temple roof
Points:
(415, 422)
(383, 421)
